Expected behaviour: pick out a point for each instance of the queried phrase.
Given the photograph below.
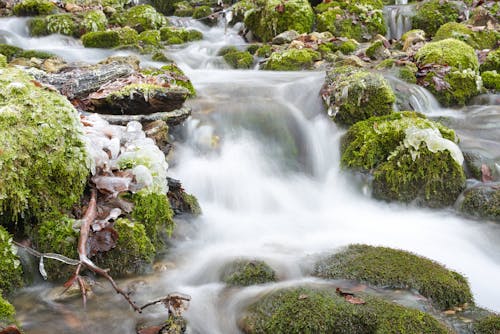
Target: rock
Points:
(482, 17)
(492, 62)
(239, 59)
(491, 80)
(144, 17)
(271, 17)
(320, 310)
(94, 20)
(158, 131)
(181, 201)
(205, 15)
(172, 118)
(378, 51)
(432, 14)
(285, 37)
(412, 38)
(353, 94)
(173, 35)
(482, 39)
(382, 266)
(247, 272)
(481, 201)
(292, 60)
(10, 266)
(34, 8)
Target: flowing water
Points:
(262, 157)
(398, 18)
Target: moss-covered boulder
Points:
(369, 143)
(360, 20)
(34, 7)
(378, 51)
(204, 14)
(101, 39)
(432, 14)
(44, 161)
(173, 35)
(239, 59)
(482, 201)
(352, 94)
(61, 24)
(484, 39)
(134, 253)
(150, 37)
(292, 60)
(405, 71)
(7, 312)
(94, 20)
(183, 8)
(247, 272)
(10, 266)
(382, 266)
(492, 62)
(11, 52)
(154, 212)
(488, 325)
(453, 77)
(269, 18)
(144, 17)
(320, 310)
(3, 61)
(491, 80)
(173, 74)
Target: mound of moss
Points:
(248, 272)
(101, 39)
(94, 20)
(61, 24)
(10, 52)
(3, 61)
(239, 59)
(488, 325)
(482, 201)
(432, 14)
(491, 80)
(369, 143)
(292, 60)
(484, 39)
(134, 253)
(7, 312)
(144, 17)
(268, 18)
(150, 37)
(34, 7)
(203, 13)
(354, 94)
(315, 310)
(173, 35)
(359, 20)
(492, 62)
(173, 74)
(44, 164)
(10, 267)
(382, 266)
(454, 78)
(154, 212)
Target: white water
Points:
(263, 160)
(398, 18)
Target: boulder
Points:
(481, 201)
(432, 14)
(247, 272)
(292, 60)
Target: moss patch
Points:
(94, 20)
(101, 39)
(248, 272)
(433, 14)
(239, 59)
(34, 7)
(451, 52)
(144, 17)
(486, 39)
(382, 266)
(10, 266)
(491, 80)
(292, 60)
(488, 325)
(7, 312)
(482, 201)
(154, 212)
(492, 62)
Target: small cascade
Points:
(398, 18)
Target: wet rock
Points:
(181, 201)
(247, 272)
(285, 37)
(292, 60)
(172, 118)
(481, 201)
(158, 131)
(378, 51)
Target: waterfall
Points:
(398, 18)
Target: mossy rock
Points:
(165, 7)
(239, 59)
(127, 36)
(203, 13)
(491, 80)
(482, 201)
(150, 37)
(382, 266)
(190, 204)
(34, 7)
(44, 163)
(360, 20)
(61, 24)
(376, 50)
(485, 39)
(134, 253)
(488, 325)
(320, 310)
(10, 51)
(94, 20)
(183, 9)
(460, 87)
(3, 61)
(264, 51)
(292, 60)
(369, 143)
(354, 94)
(265, 21)
(173, 35)
(38, 26)
(492, 62)
(144, 17)
(154, 212)
(247, 272)
(452, 52)
(7, 312)
(10, 267)
(432, 14)
(57, 235)
(173, 74)
(101, 39)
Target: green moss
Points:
(178, 78)
(127, 36)
(461, 87)
(190, 204)
(433, 14)
(154, 212)
(315, 310)
(7, 312)
(382, 266)
(43, 162)
(183, 8)
(492, 62)
(94, 20)
(133, 254)
(348, 47)
(3, 61)
(34, 7)
(491, 80)
(407, 73)
(354, 94)
(482, 202)
(248, 272)
(292, 60)
(164, 6)
(265, 21)
(35, 54)
(264, 51)
(57, 236)
(144, 17)
(150, 37)
(9, 51)
(202, 12)
(451, 52)
(173, 35)
(488, 325)
(38, 26)
(61, 24)
(239, 59)
(101, 39)
(373, 49)
(370, 142)
(10, 267)
(485, 39)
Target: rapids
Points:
(262, 157)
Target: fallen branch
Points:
(173, 302)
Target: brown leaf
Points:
(303, 296)
(354, 300)
(102, 241)
(280, 8)
(343, 293)
(10, 330)
(150, 330)
(486, 173)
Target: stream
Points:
(262, 157)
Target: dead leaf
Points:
(10, 330)
(102, 241)
(486, 173)
(354, 300)
(150, 330)
(303, 296)
(280, 8)
(343, 293)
